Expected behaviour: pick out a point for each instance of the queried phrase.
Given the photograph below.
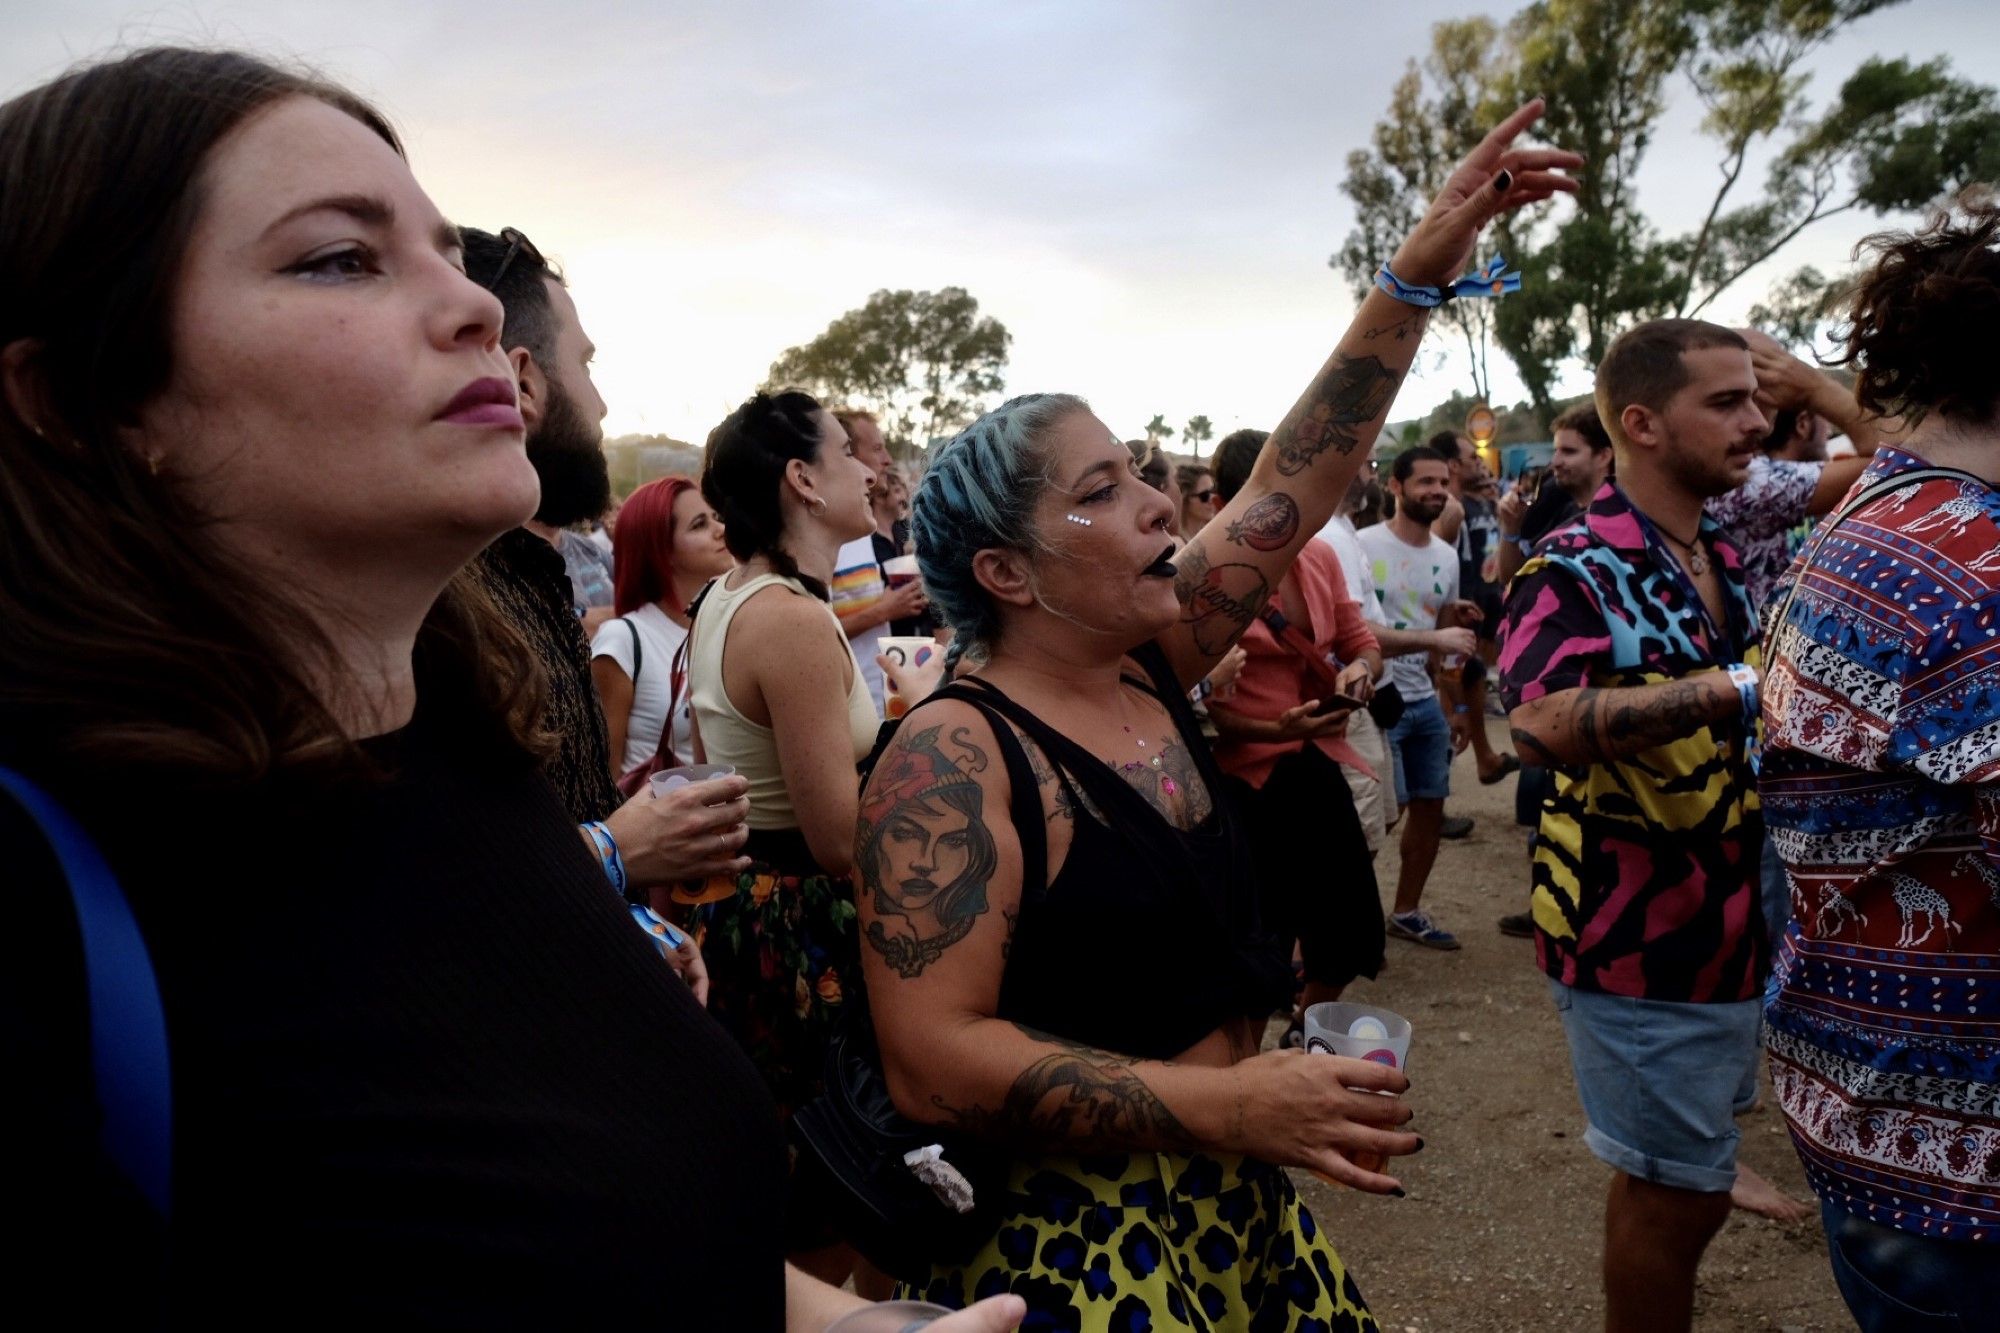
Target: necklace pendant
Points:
(1699, 564)
(1156, 761)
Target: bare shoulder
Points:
(935, 850)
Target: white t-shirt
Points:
(857, 583)
(1345, 540)
(660, 642)
(1355, 567)
(1412, 584)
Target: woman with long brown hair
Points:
(254, 419)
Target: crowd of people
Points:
(945, 980)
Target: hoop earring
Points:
(818, 506)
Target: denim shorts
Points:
(1420, 752)
(1659, 1081)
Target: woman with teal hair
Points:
(1092, 1005)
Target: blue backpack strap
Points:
(128, 1029)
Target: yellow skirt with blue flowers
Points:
(1130, 1241)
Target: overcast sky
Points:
(1146, 194)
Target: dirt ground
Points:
(1502, 1229)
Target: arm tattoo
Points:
(1529, 744)
(1409, 326)
(1351, 396)
(1063, 806)
(1623, 727)
(925, 854)
(1268, 525)
(1216, 611)
(1076, 1099)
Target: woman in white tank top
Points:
(777, 694)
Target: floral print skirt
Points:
(780, 951)
(1131, 1241)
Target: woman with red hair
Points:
(667, 545)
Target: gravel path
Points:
(1502, 1229)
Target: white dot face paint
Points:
(1078, 519)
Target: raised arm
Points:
(1228, 570)
(938, 871)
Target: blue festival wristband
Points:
(607, 855)
(1488, 281)
(665, 938)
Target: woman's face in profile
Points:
(338, 391)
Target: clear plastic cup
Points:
(667, 779)
(1359, 1032)
(888, 1317)
(899, 570)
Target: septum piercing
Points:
(1078, 520)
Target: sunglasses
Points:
(517, 244)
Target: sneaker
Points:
(1521, 925)
(1418, 928)
(1455, 826)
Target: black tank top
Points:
(1148, 939)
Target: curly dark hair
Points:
(1921, 326)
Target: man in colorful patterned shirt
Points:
(1883, 784)
(1628, 660)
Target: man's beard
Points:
(1423, 514)
(568, 454)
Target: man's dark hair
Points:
(1446, 446)
(1406, 462)
(1644, 364)
(1235, 458)
(1783, 425)
(1583, 419)
(522, 289)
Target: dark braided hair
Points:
(743, 475)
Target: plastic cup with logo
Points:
(667, 779)
(889, 1317)
(905, 651)
(1359, 1032)
(899, 570)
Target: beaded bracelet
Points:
(607, 855)
(1488, 280)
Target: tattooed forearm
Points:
(1268, 525)
(1530, 747)
(924, 852)
(1586, 726)
(1352, 395)
(1399, 330)
(1077, 1099)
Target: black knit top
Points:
(427, 1072)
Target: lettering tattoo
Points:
(1268, 525)
(1218, 602)
(925, 854)
(1076, 1098)
(1346, 400)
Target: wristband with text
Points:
(1488, 281)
